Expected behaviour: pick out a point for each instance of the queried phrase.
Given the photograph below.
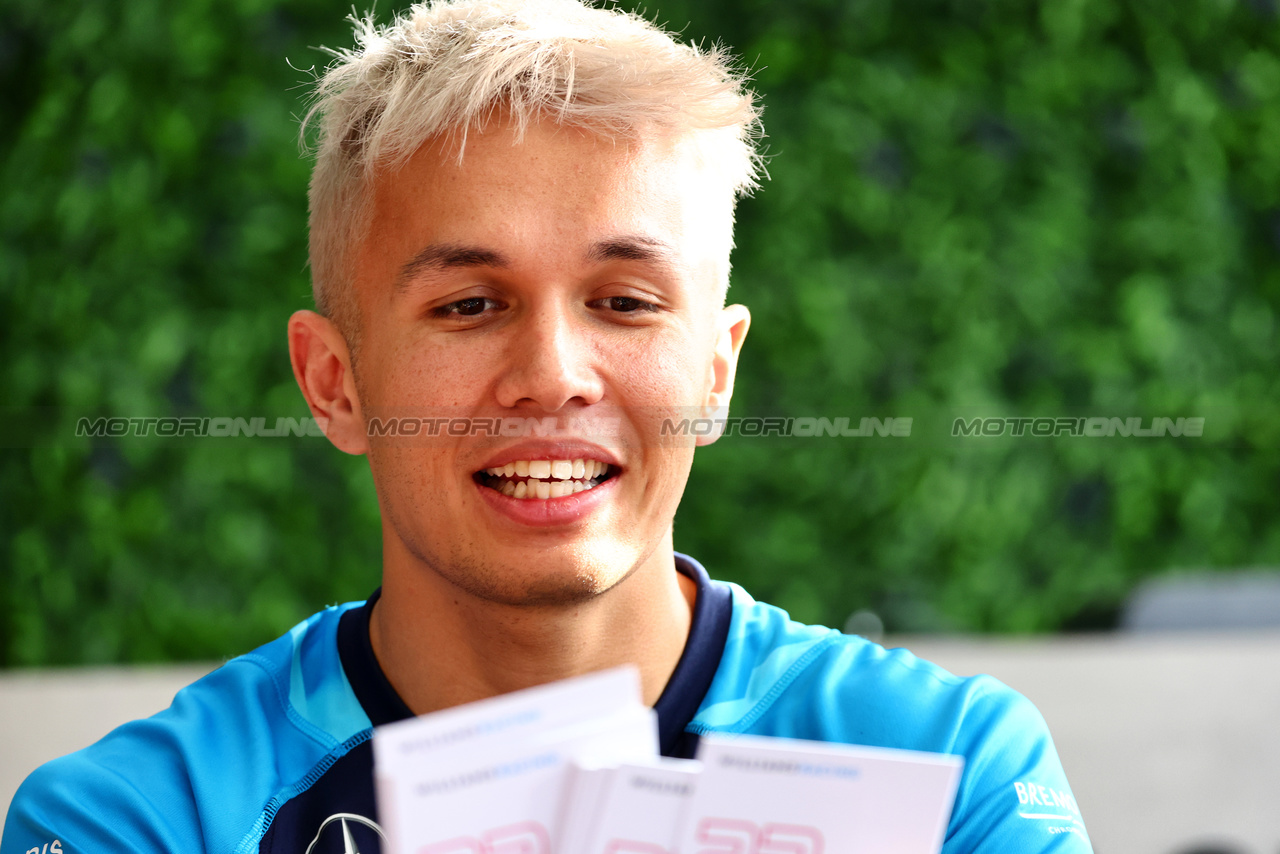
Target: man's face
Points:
(569, 277)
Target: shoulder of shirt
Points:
(784, 678)
(781, 678)
(209, 772)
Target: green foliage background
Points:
(978, 207)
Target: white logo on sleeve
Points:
(54, 847)
(1052, 806)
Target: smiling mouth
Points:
(542, 479)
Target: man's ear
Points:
(733, 324)
(322, 367)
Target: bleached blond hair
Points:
(443, 68)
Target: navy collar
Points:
(676, 707)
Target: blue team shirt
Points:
(271, 752)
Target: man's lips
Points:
(541, 479)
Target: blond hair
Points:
(443, 68)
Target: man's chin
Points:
(550, 584)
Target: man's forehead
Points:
(499, 150)
(558, 172)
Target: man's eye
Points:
(626, 304)
(469, 307)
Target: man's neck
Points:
(439, 646)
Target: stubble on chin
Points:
(532, 586)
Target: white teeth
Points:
(580, 469)
(544, 488)
(547, 478)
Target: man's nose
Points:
(551, 361)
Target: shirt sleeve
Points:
(75, 805)
(1013, 793)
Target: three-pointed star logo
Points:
(348, 843)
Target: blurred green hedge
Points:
(978, 207)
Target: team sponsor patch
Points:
(1056, 808)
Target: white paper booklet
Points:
(782, 796)
(635, 808)
(486, 778)
(585, 788)
(573, 768)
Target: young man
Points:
(521, 224)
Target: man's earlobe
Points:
(734, 322)
(322, 366)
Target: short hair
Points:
(443, 68)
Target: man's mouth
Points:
(542, 479)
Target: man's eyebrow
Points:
(445, 256)
(632, 247)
